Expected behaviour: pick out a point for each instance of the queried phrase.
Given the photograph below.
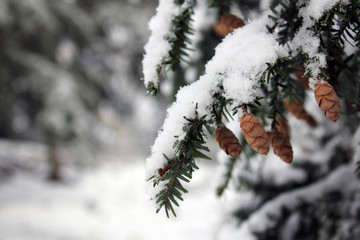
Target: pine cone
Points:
(254, 133)
(298, 110)
(282, 146)
(220, 29)
(303, 80)
(328, 100)
(227, 141)
(227, 24)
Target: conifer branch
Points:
(177, 40)
(181, 27)
(292, 41)
(279, 208)
(181, 167)
(219, 109)
(286, 20)
(222, 6)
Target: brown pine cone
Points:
(328, 100)
(220, 29)
(227, 141)
(298, 110)
(254, 133)
(282, 146)
(227, 24)
(303, 80)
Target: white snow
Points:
(315, 8)
(157, 48)
(234, 66)
(259, 221)
(104, 203)
(241, 65)
(187, 98)
(305, 39)
(306, 149)
(238, 64)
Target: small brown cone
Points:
(254, 133)
(303, 80)
(220, 29)
(227, 24)
(227, 141)
(298, 110)
(282, 146)
(327, 99)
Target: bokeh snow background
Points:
(103, 203)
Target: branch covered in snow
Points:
(268, 215)
(249, 64)
(168, 41)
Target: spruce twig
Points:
(182, 165)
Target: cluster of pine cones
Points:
(279, 137)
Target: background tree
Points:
(62, 68)
(287, 75)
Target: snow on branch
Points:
(307, 38)
(167, 41)
(235, 73)
(259, 220)
(235, 68)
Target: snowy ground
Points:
(105, 203)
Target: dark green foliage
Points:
(181, 27)
(179, 41)
(320, 219)
(151, 89)
(272, 232)
(341, 25)
(287, 20)
(313, 220)
(219, 109)
(222, 6)
(182, 165)
(337, 26)
(279, 83)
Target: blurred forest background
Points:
(76, 127)
(70, 75)
(76, 124)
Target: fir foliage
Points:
(336, 29)
(179, 42)
(222, 6)
(286, 20)
(339, 25)
(183, 165)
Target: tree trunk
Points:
(53, 158)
